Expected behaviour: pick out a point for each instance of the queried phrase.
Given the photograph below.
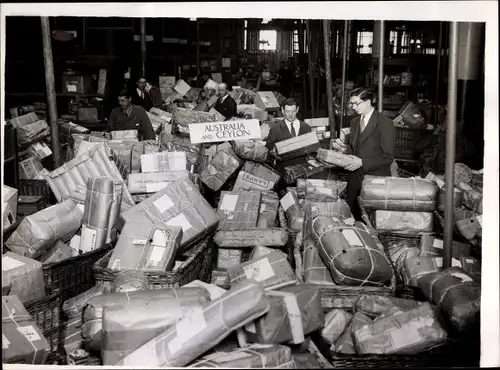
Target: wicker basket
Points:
(407, 140)
(37, 187)
(198, 265)
(70, 277)
(47, 316)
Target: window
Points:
(393, 39)
(296, 48)
(429, 51)
(405, 43)
(365, 41)
(267, 40)
(245, 36)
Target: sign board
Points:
(210, 132)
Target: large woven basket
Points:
(198, 265)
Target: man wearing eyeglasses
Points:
(371, 147)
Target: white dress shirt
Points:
(223, 98)
(296, 126)
(365, 119)
(141, 93)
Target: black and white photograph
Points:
(250, 185)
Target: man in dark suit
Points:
(140, 96)
(371, 146)
(225, 104)
(286, 129)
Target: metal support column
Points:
(198, 71)
(143, 47)
(451, 128)
(438, 73)
(381, 59)
(310, 67)
(329, 87)
(344, 71)
(50, 85)
(302, 64)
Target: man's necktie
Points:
(362, 123)
(293, 130)
(142, 95)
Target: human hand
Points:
(354, 163)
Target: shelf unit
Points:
(10, 170)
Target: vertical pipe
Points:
(344, 72)
(84, 35)
(143, 47)
(50, 85)
(302, 69)
(198, 71)
(381, 58)
(438, 73)
(310, 67)
(450, 145)
(328, 69)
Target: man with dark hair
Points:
(140, 96)
(225, 105)
(130, 117)
(371, 146)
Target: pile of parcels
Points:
(147, 202)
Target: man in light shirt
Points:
(225, 105)
(371, 145)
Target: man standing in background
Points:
(225, 104)
(140, 96)
(155, 94)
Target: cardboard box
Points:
(24, 276)
(22, 341)
(298, 146)
(163, 161)
(266, 100)
(182, 87)
(9, 197)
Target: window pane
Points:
(267, 40)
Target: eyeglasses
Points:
(355, 104)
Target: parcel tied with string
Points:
(304, 170)
(252, 357)
(178, 204)
(75, 173)
(294, 313)
(405, 223)
(293, 210)
(246, 181)
(339, 187)
(315, 271)
(268, 212)
(345, 343)
(270, 237)
(126, 328)
(23, 276)
(152, 182)
(146, 246)
(238, 210)
(220, 169)
(22, 341)
(199, 330)
(251, 150)
(399, 194)
(38, 232)
(351, 253)
(95, 306)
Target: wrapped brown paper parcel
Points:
(220, 168)
(458, 197)
(336, 322)
(96, 214)
(24, 120)
(22, 341)
(238, 210)
(339, 186)
(32, 132)
(399, 194)
(432, 246)
(398, 251)
(293, 211)
(333, 157)
(58, 252)
(273, 271)
(199, 330)
(406, 223)
(38, 232)
(467, 223)
(338, 209)
(294, 313)
(353, 256)
(472, 198)
(96, 162)
(39, 150)
(315, 271)
(456, 294)
(125, 134)
(94, 308)
(130, 281)
(405, 332)
(260, 251)
(228, 258)
(345, 343)
(255, 356)
(373, 305)
(246, 181)
(72, 334)
(251, 150)
(309, 168)
(29, 168)
(178, 204)
(146, 246)
(268, 212)
(153, 182)
(163, 161)
(24, 277)
(127, 328)
(261, 170)
(272, 237)
(297, 146)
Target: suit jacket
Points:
(280, 132)
(375, 145)
(227, 108)
(145, 103)
(156, 99)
